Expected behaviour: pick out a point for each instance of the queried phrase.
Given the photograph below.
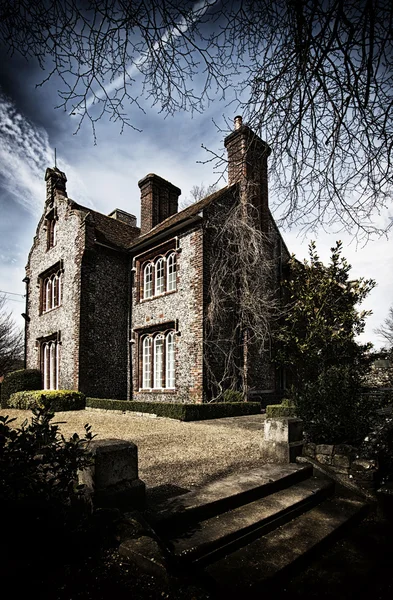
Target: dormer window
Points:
(51, 225)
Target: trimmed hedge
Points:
(176, 410)
(24, 379)
(59, 399)
(285, 409)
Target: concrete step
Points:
(252, 568)
(225, 494)
(206, 540)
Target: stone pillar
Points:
(283, 439)
(112, 480)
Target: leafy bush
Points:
(232, 396)
(285, 409)
(58, 399)
(378, 444)
(176, 410)
(333, 409)
(41, 501)
(25, 379)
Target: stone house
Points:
(118, 311)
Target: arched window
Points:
(170, 360)
(158, 361)
(146, 362)
(148, 281)
(160, 276)
(171, 272)
(50, 355)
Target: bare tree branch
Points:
(313, 77)
(11, 340)
(386, 329)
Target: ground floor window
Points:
(158, 361)
(50, 364)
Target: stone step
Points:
(254, 567)
(227, 493)
(224, 533)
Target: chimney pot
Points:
(238, 122)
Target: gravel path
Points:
(170, 452)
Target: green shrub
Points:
(378, 445)
(59, 400)
(41, 501)
(333, 409)
(25, 379)
(176, 410)
(285, 409)
(232, 396)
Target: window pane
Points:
(158, 361)
(170, 360)
(148, 281)
(52, 366)
(48, 294)
(146, 363)
(171, 272)
(160, 276)
(46, 367)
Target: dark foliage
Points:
(333, 409)
(378, 444)
(42, 504)
(25, 379)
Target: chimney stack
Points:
(159, 200)
(55, 183)
(247, 164)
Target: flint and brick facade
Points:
(118, 311)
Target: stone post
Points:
(283, 439)
(112, 480)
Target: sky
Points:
(104, 176)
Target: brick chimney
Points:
(55, 183)
(247, 165)
(159, 200)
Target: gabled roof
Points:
(109, 231)
(185, 214)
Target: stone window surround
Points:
(153, 262)
(153, 331)
(54, 271)
(152, 255)
(41, 344)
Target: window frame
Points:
(50, 363)
(171, 261)
(157, 351)
(148, 269)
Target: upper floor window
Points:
(51, 227)
(159, 276)
(51, 288)
(148, 281)
(171, 272)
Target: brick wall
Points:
(182, 309)
(104, 321)
(64, 319)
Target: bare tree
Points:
(243, 303)
(198, 192)
(386, 330)
(11, 340)
(313, 77)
